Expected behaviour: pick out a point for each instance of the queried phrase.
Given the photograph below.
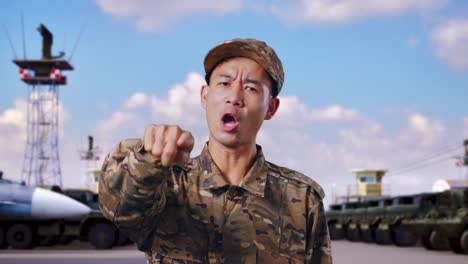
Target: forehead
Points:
(249, 67)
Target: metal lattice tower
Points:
(41, 165)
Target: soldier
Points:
(228, 205)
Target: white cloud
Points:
(341, 11)
(13, 128)
(450, 41)
(334, 112)
(427, 131)
(294, 112)
(157, 15)
(137, 100)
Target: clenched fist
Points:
(170, 144)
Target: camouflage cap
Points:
(250, 48)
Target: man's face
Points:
(237, 101)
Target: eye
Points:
(223, 84)
(251, 89)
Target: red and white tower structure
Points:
(41, 165)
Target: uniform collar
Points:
(212, 178)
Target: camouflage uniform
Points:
(192, 215)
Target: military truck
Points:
(355, 217)
(439, 220)
(335, 226)
(445, 226)
(373, 215)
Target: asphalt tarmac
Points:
(343, 252)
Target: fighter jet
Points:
(17, 199)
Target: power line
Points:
(420, 166)
(438, 154)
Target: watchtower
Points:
(41, 165)
(369, 182)
(91, 171)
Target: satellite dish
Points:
(440, 186)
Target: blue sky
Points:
(400, 67)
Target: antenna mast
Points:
(41, 164)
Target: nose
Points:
(235, 96)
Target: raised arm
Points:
(133, 182)
(131, 190)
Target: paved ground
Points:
(343, 252)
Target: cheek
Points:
(257, 113)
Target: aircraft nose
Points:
(50, 204)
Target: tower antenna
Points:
(9, 40)
(22, 30)
(78, 39)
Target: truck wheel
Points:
(464, 242)
(20, 236)
(3, 242)
(335, 233)
(383, 237)
(353, 234)
(366, 235)
(455, 245)
(402, 237)
(102, 235)
(434, 240)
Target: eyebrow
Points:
(252, 81)
(225, 75)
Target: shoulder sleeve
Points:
(318, 245)
(132, 190)
(294, 175)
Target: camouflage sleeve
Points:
(318, 237)
(132, 191)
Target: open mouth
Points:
(229, 122)
(228, 118)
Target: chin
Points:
(228, 140)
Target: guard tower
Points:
(369, 182)
(91, 171)
(41, 164)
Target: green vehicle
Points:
(378, 220)
(445, 226)
(353, 227)
(373, 216)
(334, 222)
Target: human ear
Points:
(273, 105)
(203, 94)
